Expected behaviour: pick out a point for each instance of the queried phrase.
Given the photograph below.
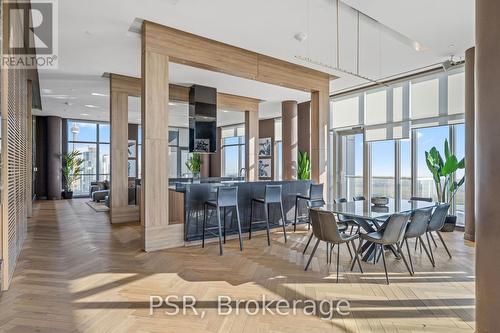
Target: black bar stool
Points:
(313, 199)
(227, 197)
(272, 195)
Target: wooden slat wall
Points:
(16, 157)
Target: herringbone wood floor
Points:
(79, 273)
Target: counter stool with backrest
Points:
(313, 199)
(325, 228)
(392, 235)
(272, 195)
(227, 198)
(435, 225)
(416, 229)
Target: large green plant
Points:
(72, 169)
(443, 172)
(194, 163)
(304, 168)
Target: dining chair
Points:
(227, 197)
(417, 227)
(391, 235)
(325, 228)
(435, 225)
(345, 219)
(359, 198)
(313, 199)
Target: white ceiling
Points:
(94, 38)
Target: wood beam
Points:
(189, 49)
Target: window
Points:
(426, 139)
(459, 149)
(233, 150)
(405, 167)
(278, 173)
(383, 169)
(92, 141)
(351, 174)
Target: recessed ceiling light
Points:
(99, 94)
(84, 114)
(451, 46)
(301, 36)
(225, 111)
(171, 103)
(91, 106)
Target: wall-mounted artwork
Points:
(265, 168)
(132, 149)
(132, 168)
(202, 145)
(265, 147)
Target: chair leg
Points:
(266, 208)
(284, 220)
(385, 266)
(444, 244)
(416, 244)
(312, 254)
(356, 257)
(425, 248)
(349, 249)
(239, 227)
(409, 255)
(327, 251)
(205, 212)
(430, 250)
(338, 259)
(224, 228)
(433, 240)
(308, 241)
(331, 252)
(403, 257)
(374, 254)
(251, 216)
(295, 219)
(220, 231)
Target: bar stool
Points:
(272, 195)
(227, 197)
(313, 200)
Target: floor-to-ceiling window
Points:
(351, 172)
(459, 148)
(383, 168)
(233, 150)
(405, 169)
(278, 173)
(92, 140)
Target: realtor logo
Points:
(32, 36)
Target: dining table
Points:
(373, 218)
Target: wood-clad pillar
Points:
(304, 129)
(119, 150)
(215, 159)
(470, 110)
(290, 139)
(156, 231)
(54, 151)
(252, 145)
(320, 107)
(487, 177)
(205, 166)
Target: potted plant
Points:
(304, 167)
(194, 164)
(443, 173)
(71, 172)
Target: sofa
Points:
(99, 190)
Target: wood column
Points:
(29, 155)
(320, 107)
(156, 231)
(215, 159)
(487, 177)
(290, 139)
(266, 130)
(469, 144)
(205, 166)
(119, 151)
(252, 145)
(304, 131)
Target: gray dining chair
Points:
(391, 235)
(325, 228)
(227, 198)
(359, 198)
(435, 225)
(272, 195)
(313, 199)
(416, 229)
(345, 219)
